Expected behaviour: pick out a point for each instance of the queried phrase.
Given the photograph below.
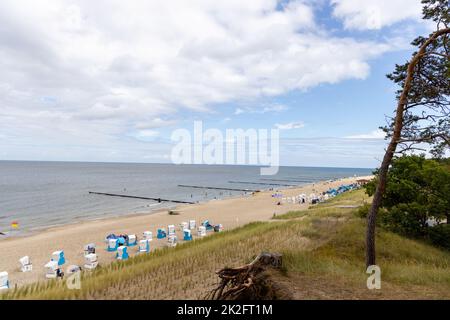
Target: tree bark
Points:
(387, 159)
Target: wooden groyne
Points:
(217, 188)
(264, 183)
(137, 197)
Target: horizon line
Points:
(187, 164)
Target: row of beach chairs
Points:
(118, 244)
(53, 268)
(313, 198)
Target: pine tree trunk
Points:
(376, 203)
(384, 168)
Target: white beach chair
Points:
(184, 225)
(132, 240)
(201, 231)
(90, 261)
(73, 268)
(112, 244)
(144, 246)
(147, 235)
(25, 264)
(302, 198)
(171, 229)
(4, 281)
(51, 269)
(192, 224)
(172, 240)
(89, 248)
(58, 256)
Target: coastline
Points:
(231, 212)
(39, 229)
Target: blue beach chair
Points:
(207, 225)
(121, 241)
(110, 236)
(122, 253)
(187, 235)
(161, 234)
(58, 256)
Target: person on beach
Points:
(59, 273)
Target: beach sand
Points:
(231, 213)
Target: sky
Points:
(111, 80)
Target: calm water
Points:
(42, 194)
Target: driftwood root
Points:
(250, 281)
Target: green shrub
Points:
(406, 219)
(363, 211)
(440, 235)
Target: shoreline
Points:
(230, 212)
(40, 229)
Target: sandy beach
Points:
(231, 213)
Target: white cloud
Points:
(290, 125)
(270, 108)
(331, 152)
(93, 72)
(147, 133)
(376, 134)
(274, 108)
(154, 123)
(238, 111)
(364, 14)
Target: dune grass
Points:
(323, 257)
(185, 271)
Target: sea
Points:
(37, 195)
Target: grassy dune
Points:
(323, 256)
